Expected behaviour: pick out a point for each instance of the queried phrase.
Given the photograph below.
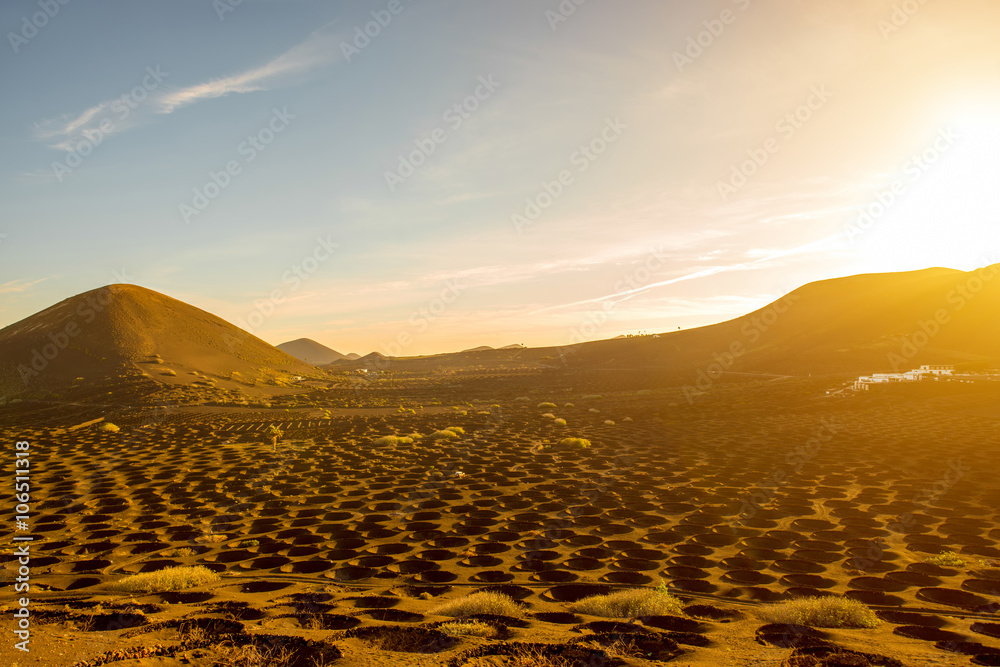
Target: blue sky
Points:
(117, 114)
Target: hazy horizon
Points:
(297, 126)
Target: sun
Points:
(945, 210)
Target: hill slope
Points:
(117, 330)
(311, 352)
(860, 323)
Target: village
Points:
(927, 372)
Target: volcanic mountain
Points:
(311, 352)
(857, 324)
(124, 329)
(862, 323)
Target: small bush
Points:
(577, 443)
(546, 405)
(946, 559)
(393, 440)
(824, 612)
(108, 427)
(169, 579)
(443, 434)
(570, 405)
(609, 422)
(480, 603)
(559, 422)
(246, 544)
(523, 399)
(626, 604)
(548, 415)
(468, 629)
(456, 429)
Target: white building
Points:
(864, 382)
(937, 370)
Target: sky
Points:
(423, 176)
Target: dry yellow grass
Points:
(169, 579)
(626, 604)
(480, 603)
(468, 629)
(823, 612)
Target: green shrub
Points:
(392, 440)
(443, 434)
(626, 604)
(946, 559)
(169, 579)
(546, 405)
(480, 603)
(577, 443)
(559, 422)
(823, 612)
(108, 427)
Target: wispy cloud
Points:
(815, 246)
(20, 285)
(319, 49)
(113, 116)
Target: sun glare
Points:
(948, 211)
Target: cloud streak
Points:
(126, 111)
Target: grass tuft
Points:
(946, 559)
(392, 440)
(480, 603)
(823, 612)
(626, 604)
(169, 579)
(468, 629)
